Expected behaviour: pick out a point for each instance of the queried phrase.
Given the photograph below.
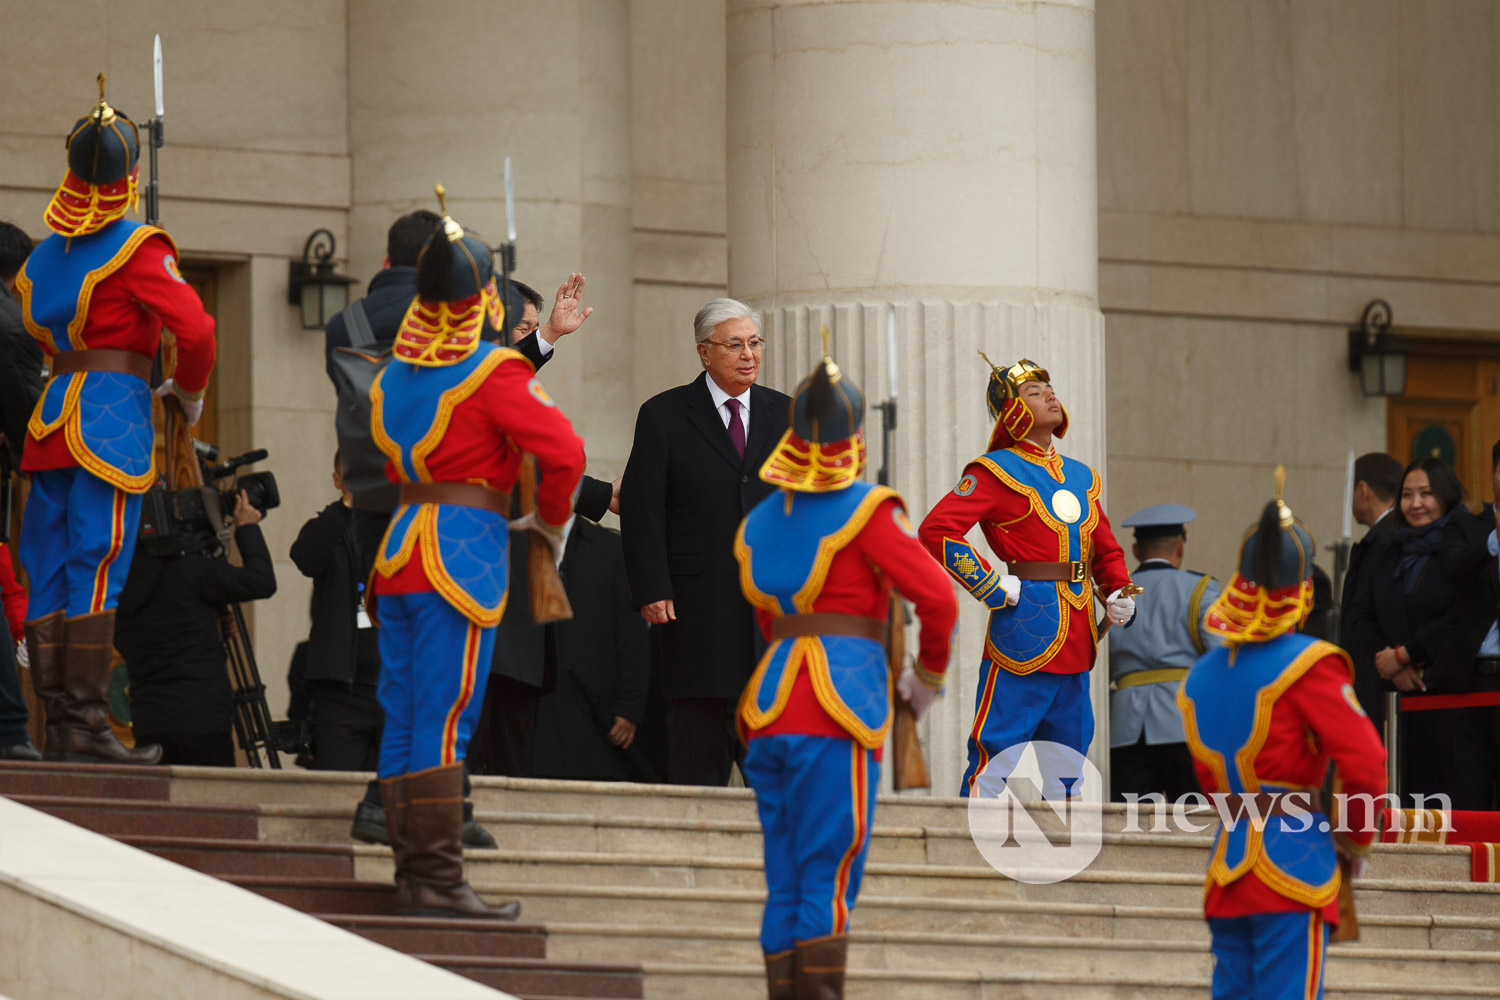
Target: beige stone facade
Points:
(1178, 207)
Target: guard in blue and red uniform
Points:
(95, 294)
(817, 560)
(454, 415)
(1266, 715)
(1040, 513)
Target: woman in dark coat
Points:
(1403, 608)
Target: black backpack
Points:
(354, 371)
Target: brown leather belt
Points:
(828, 623)
(1062, 572)
(102, 360)
(1269, 804)
(458, 495)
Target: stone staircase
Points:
(658, 890)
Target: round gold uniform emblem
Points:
(1065, 506)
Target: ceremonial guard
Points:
(1040, 513)
(1147, 662)
(95, 294)
(817, 560)
(1267, 715)
(454, 415)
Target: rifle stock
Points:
(549, 599)
(908, 767)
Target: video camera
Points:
(174, 522)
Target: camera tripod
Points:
(258, 736)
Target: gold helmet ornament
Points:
(104, 152)
(1272, 591)
(455, 295)
(824, 448)
(1012, 417)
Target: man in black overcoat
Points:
(691, 478)
(585, 728)
(1377, 481)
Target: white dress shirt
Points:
(721, 397)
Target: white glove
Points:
(535, 525)
(916, 694)
(23, 658)
(1358, 866)
(1119, 610)
(1012, 587)
(191, 408)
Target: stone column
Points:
(935, 158)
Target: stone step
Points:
(322, 895)
(122, 817)
(542, 978)
(595, 833)
(547, 796)
(249, 857)
(100, 781)
(682, 981)
(440, 936)
(972, 883)
(1390, 917)
(1102, 958)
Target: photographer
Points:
(168, 632)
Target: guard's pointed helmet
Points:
(104, 153)
(455, 296)
(824, 448)
(1012, 417)
(1271, 592)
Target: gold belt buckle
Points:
(1079, 572)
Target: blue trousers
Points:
(434, 664)
(816, 798)
(1012, 709)
(77, 540)
(1269, 956)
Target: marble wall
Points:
(1266, 168)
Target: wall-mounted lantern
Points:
(1374, 353)
(315, 284)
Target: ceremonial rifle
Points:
(1348, 928)
(549, 599)
(908, 767)
(156, 139)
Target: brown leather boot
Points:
(393, 800)
(84, 733)
(781, 976)
(435, 856)
(820, 968)
(44, 644)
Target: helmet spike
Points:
(451, 229)
(834, 374)
(996, 368)
(103, 113)
(1283, 512)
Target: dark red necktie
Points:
(736, 426)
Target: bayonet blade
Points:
(510, 204)
(156, 70)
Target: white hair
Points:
(720, 311)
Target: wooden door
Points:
(1451, 411)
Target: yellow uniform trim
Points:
(808, 651)
(449, 401)
(1255, 858)
(1195, 615)
(1140, 677)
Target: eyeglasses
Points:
(756, 344)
